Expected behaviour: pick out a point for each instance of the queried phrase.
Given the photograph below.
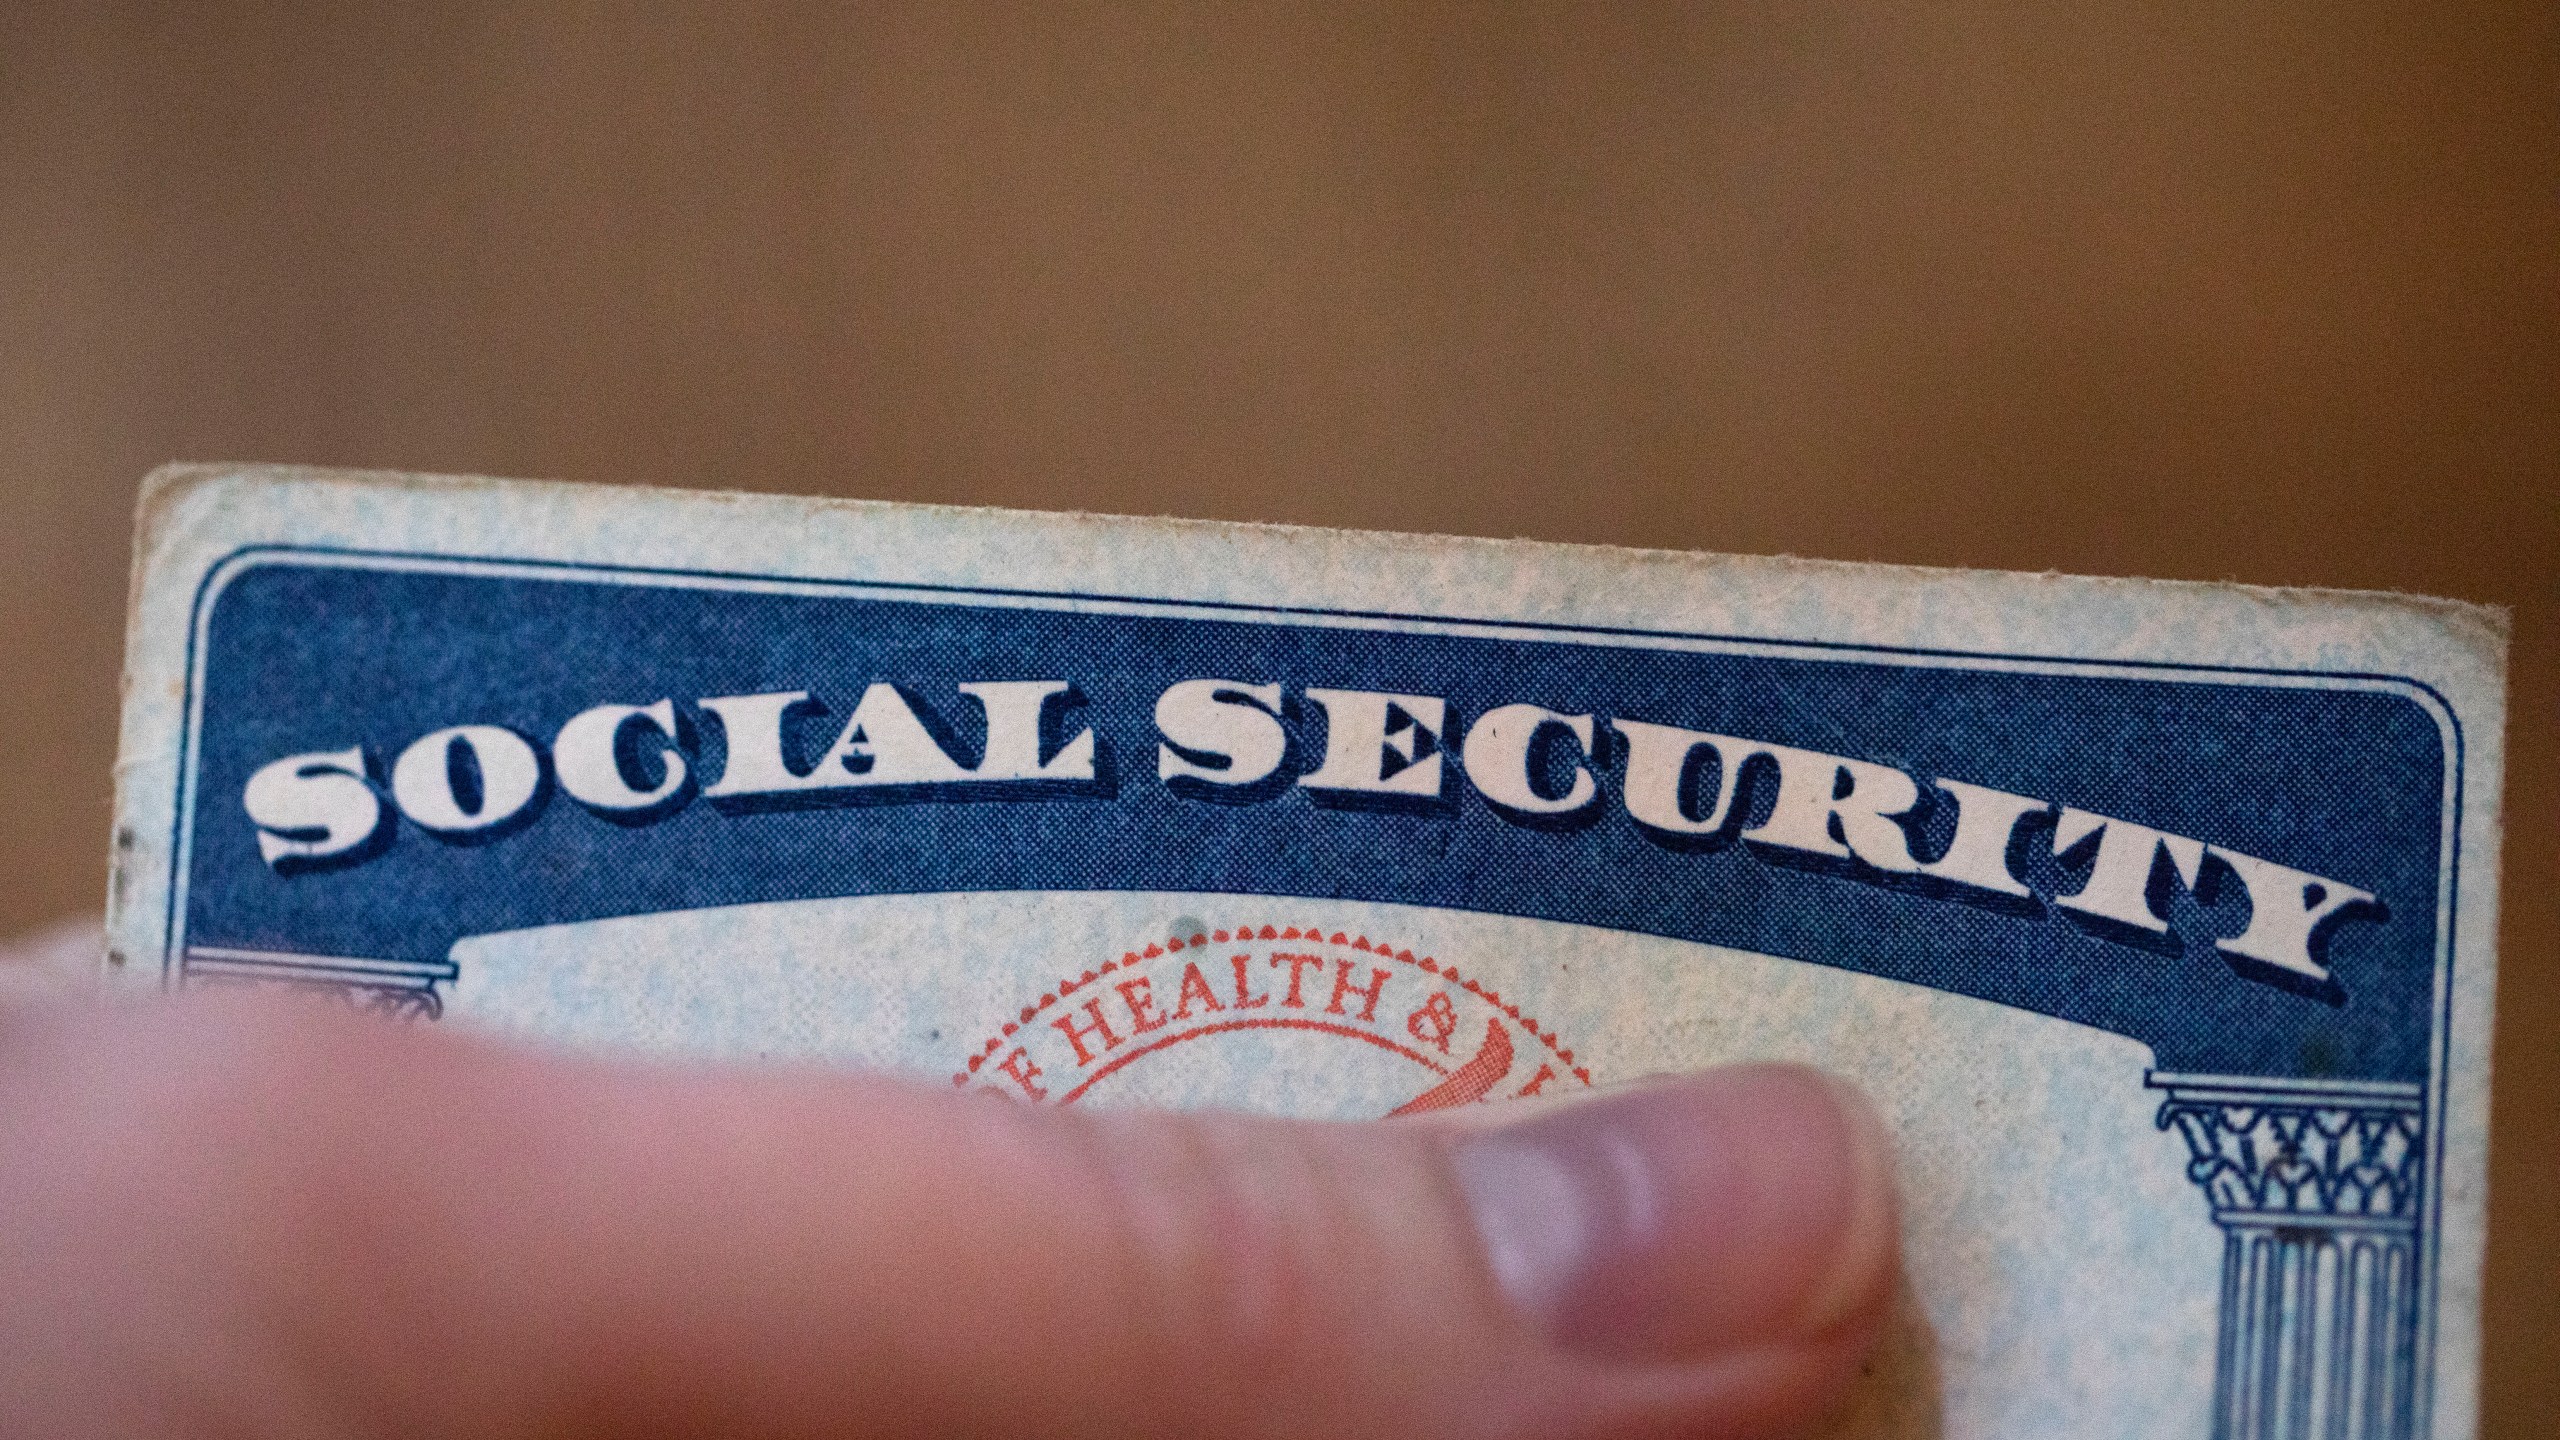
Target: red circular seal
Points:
(1272, 1016)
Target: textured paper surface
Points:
(2159, 918)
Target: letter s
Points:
(1223, 740)
(316, 810)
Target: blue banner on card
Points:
(2246, 872)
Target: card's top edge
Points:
(2477, 624)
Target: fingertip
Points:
(1863, 1260)
(1686, 1220)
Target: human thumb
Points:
(240, 1218)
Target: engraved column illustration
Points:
(398, 989)
(2317, 1186)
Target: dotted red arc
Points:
(1312, 933)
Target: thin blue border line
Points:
(1245, 610)
(227, 567)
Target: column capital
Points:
(395, 989)
(2338, 1153)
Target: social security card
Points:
(2159, 918)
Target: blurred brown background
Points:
(2269, 293)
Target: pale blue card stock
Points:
(2159, 918)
